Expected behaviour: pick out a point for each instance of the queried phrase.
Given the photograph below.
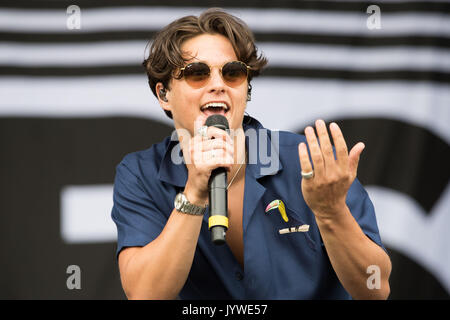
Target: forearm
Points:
(351, 252)
(160, 269)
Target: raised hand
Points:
(325, 188)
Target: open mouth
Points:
(215, 108)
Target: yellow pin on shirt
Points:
(280, 205)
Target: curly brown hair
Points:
(165, 54)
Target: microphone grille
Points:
(218, 121)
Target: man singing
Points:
(301, 227)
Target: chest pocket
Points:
(298, 252)
(294, 220)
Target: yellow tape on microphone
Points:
(218, 220)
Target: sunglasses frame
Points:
(181, 75)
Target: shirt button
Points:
(239, 276)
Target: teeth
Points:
(215, 105)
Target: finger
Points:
(325, 143)
(305, 164)
(204, 151)
(218, 158)
(340, 145)
(186, 142)
(316, 153)
(183, 136)
(353, 157)
(217, 144)
(195, 148)
(198, 123)
(216, 133)
(213, 144)
(201, 144)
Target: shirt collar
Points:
(259, 165)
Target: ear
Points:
(161, 92)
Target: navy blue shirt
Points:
(277, 266)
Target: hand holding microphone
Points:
(211, 155)
(218, 195)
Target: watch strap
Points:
(189, 208)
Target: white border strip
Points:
(287, 55)
(79, 54)
(86, 214)
(297, 101)
(268, 20)
(300, 102)
(405, 227)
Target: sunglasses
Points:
(197, 74)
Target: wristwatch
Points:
(183, 205)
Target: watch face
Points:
(179, 199)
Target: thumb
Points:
(353, 157)
(185, 139)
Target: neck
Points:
(240, 157)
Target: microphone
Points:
(217, 187)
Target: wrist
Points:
(332, 217)
(195, 197)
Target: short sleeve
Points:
(362, 209)
(134, 212)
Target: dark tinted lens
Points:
(196, 74)
(234, 73)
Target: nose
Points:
(216, 83)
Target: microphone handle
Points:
(218, 235)
(218, 210)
